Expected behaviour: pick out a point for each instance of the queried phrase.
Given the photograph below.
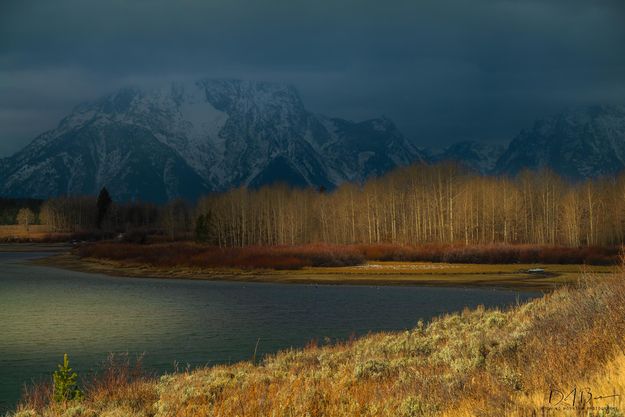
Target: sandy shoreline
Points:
(373, 273)
(34, 247)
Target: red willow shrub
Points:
(250, 257)
(492, 254)
(300, 256)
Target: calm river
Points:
(45, 312)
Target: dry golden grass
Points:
(10, 233)
(474, 363)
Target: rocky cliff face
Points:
(478, 157)
(578, 144)
(188, 139)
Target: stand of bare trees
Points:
(69, 214)
(80, 214)
(424, 204)
(418, 204)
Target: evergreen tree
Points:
(65, 383)
(103, 204)
(201, 231)
(205, 228)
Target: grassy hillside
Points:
(520, 362)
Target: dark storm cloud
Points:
(444, 70)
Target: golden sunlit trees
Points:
(424, 204)
(69, 214)
(412, 205)
(25, 217)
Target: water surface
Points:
(45, 312)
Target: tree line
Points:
(425, 204)
(418, 204)
(15, 210)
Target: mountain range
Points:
(184, 140)
(188, 139)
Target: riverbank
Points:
(48, 311)
(35, 247)
(370, 273)
(523, 361)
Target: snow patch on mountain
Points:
(186, 139)
(577, 144)
(477, 156)
(216, 134)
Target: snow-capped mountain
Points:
(184, 139)
(576, 144)
(477, 156)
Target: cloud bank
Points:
(444, 70)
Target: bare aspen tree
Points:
(413, 205)
(25, 217)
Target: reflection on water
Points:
(45, 312)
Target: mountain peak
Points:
(585, 142)
(214, 133)
(188, 138)
(477, 156)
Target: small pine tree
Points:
(201, 229)
(103, 204)
(205, 228)
(65, 383)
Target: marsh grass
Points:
(478, 362)
(187, 254)
(492, 254)
(204, 256)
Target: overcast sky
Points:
(443, 70)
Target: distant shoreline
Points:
(34, 247)
(373, 273)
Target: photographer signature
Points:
(580, 398)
